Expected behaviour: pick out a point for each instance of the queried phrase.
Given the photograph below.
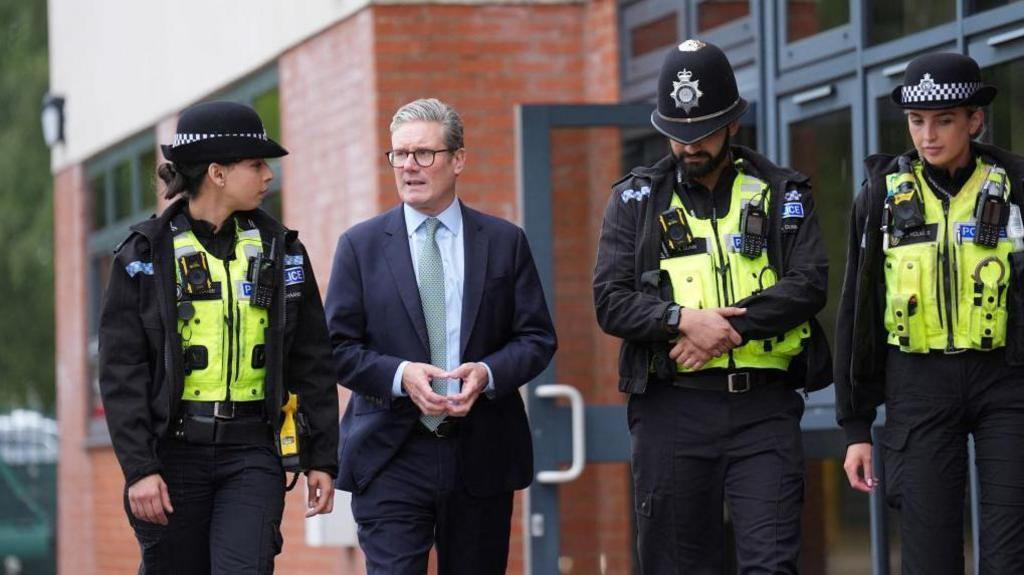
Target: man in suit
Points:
(437, 317)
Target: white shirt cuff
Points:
(396, 383)
(489, 391)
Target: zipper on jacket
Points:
(947, 272)
(230, 319)
(723, 270)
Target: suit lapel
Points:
(400, 261)
(476, 270)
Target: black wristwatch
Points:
(671, 318)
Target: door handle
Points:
(579, 451)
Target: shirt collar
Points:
(451, 218)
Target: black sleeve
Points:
(309, 374)
(801, 291)
(855, 422)
(125, 369)
(622, 310)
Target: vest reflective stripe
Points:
(232, 331)
(916, 316)
(697, 281)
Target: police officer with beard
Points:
(711, 268)
(931, 323)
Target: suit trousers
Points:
(228, 501)
(933, 402)
(694, 449)
(416, 501)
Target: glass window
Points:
(808, 17)
(268, 106)
(123, 190)
(891, 19)
(893, 135)
(1005, 121)
(974, 6)
(98, 190)
(652, 36)
(821, 148)
(714, 13)
(147, 180)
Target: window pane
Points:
(808, 17)
(97, 188)
(1006, 113)
(982, 5)
(821, 148)
(651, 36)
(714, 13)
(147, 180)
(892, 19)
(123, 190)
(268, 106)
(893, 136)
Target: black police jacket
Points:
(634, 310)
(861, 344)
(141, 375)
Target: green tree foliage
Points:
(26, 211)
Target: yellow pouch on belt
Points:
(908, 323)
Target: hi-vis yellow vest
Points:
(231, 330)
(720, 276)
(943, 291)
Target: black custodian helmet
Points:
(697, 93)
(219, 131)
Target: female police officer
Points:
(931, 322)
(211, 319)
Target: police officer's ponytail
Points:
(182, 178)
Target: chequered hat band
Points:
(183, 139)
(954, 92)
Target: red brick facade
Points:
(338, 91)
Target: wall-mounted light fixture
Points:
(52, 119)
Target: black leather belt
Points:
(223, 409)
(735, 382)
(448, 428)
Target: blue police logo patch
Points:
(138, 267)
(792, 210)
(246, 289)
(968, 231)
(293, 260)
(294, 276)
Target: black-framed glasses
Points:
(423, 157)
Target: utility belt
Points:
(222, 423)
(731, 382)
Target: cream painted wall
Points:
(123, 65)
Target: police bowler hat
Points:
(697, 93)
(942, 80)
(220, 131)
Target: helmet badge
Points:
(926, 85)
(685, 91)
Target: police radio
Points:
(906, 208)
(264, 280)
(753, 229)
(991, 213)
(676, 235)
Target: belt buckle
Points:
(444, 429)
(218, 414)
(738, 382)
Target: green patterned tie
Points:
(432, 295)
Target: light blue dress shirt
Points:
(451, 243)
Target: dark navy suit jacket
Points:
(376, 321)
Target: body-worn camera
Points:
(991, 214)
(753, 229)
(676, 235)
(195, 271)
(264, 280)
